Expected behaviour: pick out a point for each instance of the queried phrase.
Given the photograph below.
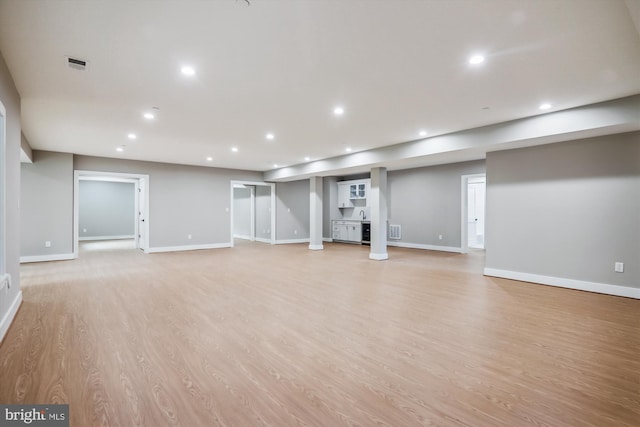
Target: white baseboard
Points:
(43, 258)
(189, 247)
(106, 237)
(327, 239)
(316, 247)
(290, 241)
(378, 257)
(260, 239)
(243, 237)
(601, 288)
(10, 315)
(427, 247)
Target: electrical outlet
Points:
(189, 236)
(47, 244)
(440, 237)
(619, 267)
(84, 230)
(295, 231)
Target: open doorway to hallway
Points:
(253, 211)
(473, 211)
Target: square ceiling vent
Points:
(77, 63)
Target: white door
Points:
(141, 241)
(475, 219)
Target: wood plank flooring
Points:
(263, 335)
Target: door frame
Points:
(273, 208)
(464, 212)
(3, 189)
(142, 197)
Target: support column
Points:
(315, 209)
(378, 200)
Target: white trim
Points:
(601, 288)
(378, 257)
(44, 258)
(291, 241)
(3, 189)
(238, 236)
(10, 315)
(327, 239)
(190, 247)
(131, 236)
(273, 209)
(261, 240)
(85, 175)
(426, 247)
(316, 247)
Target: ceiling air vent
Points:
(77, 64)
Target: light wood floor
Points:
(280, 335)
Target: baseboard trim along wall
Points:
(260, 239)
(601, 288)
(243, 237)
(11, 313)
(426, 247)
(327, 239)
(290, 241)
(106, 237)
(44, 258)
(189, 247)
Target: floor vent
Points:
(77, 64)
(395, 232)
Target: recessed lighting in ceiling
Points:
(209, 159)
(545, 106)
(188, 70)
(120, 149)
(348, 149)
(338, 111)
(476, 59)
(275, 165)
(132, 136)
(422, 133)
(270, 136)
(149, 116)
(306, 159)
(234, 149)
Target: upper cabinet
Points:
(350, 192)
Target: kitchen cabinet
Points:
(358, 191)
(347, 231)
(344, 199)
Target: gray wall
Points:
(47, 204)
(330, 209)
(292, 210)
(567, 210)
(263, 212)
(106, 209)
(426, 202)
(242, 212)
(11, 100)
(183, 200)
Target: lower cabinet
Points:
(347, 231)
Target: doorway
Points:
(3, 180)
(253, 211)
(139, 215)
(473, 211)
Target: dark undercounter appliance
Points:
(366, 233)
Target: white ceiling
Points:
(396, 66)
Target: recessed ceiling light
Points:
(132, 136)
(306, 159)
(476, 59)
(545, 106)
(234, 149)
(422, 133)
(188, 70)
(275, 165)
(270, 136)
(338, 111)
(149, 116)
(120, 149)
(348, 149)
(209, 159)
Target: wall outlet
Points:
(619, 267)
(440, 237)
(189, 236)
(84, 230)
(47, 244)
(295, 231)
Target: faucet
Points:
(364, 215)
